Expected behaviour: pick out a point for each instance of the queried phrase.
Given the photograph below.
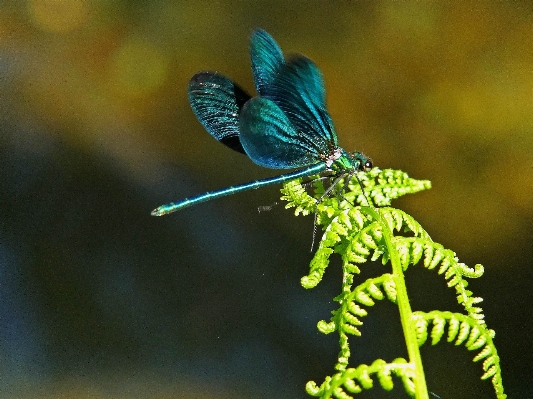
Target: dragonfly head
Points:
(361, 162)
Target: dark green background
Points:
(100, 300)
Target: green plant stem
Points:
(405, 308)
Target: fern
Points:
(361, 233)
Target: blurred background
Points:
(100, 300)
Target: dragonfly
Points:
(286, 126)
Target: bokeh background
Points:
(100, 300)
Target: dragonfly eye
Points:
(368, 165)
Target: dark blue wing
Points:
(270, 139)
(217, 101)
(267, 59)
(298, 90)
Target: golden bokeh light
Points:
(138, 67)
(59, 16)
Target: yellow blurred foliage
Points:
(58, 15)
(138, 67)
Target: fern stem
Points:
(406, 314)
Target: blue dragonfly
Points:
(286, 126)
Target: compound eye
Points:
(368, 165)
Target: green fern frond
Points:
(362, 233)
(355, 380)
(296, 196)
(463, 329)
(412, 249)
(381, 186)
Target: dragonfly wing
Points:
(299, 91)
(217, 101)
(267, 59)
(270, 139)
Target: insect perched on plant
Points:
(286, 126)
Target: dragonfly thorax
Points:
(340, 160)
(332, 159)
